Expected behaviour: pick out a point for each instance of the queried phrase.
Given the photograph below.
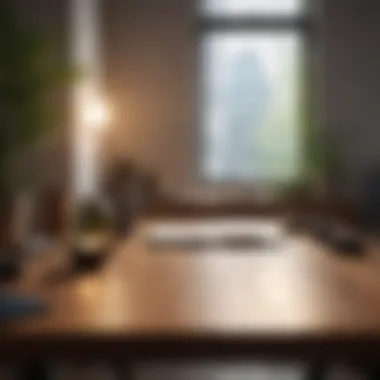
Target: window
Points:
(251, 90)
(268, 8)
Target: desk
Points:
(293, 301)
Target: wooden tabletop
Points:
(291, 298)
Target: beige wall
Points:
(149, 55)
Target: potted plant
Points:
(29, 79)
(93, 232)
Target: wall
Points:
(149, 48)
(351, 77)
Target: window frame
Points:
(304, 25)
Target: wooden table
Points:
(294, 300)
(211, 207)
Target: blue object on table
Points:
(14, 306)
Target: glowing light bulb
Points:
(96, 113)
